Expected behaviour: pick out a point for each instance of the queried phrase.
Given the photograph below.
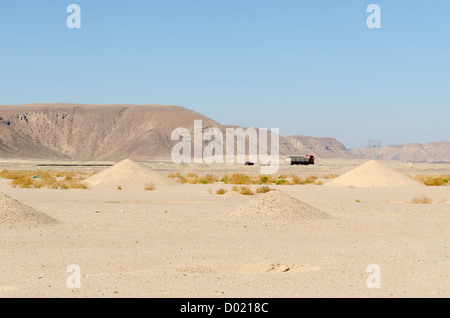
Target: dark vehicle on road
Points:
(300, 160)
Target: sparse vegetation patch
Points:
(242, 179)
(45, 179)
(432, 180)
(221, 191)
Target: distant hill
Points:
(320, 147)
(117, 132)
(428, 152)
(92, 132)
(16, 144)
(142, 132)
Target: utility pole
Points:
(211, 144)
(374, 144)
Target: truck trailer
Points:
(300, 160)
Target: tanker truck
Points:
(300, 160)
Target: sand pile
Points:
(277, 204)
(374, 174)
(127, 174)
(14, 213)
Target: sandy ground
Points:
(179, 241)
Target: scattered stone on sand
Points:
(16, 214)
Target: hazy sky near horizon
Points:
(307, 67)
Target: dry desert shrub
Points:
(263, 189)
(263, 179)
(78, 185)
(295, 179)
(149, 187)
(190, 179)
(330, 176)
(182, 180)
(422, 199)
(209, 178)
(281, 182)
(245, 191)
(311, 179)
(175, 175)
(432, 180)
(239, 178)
(235, 189)
(221, 191)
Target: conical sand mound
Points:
(374, 174)
(14, 213)
(127, 174)
(276, 204)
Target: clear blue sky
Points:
(306, 67)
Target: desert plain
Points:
(181, 240)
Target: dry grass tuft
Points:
(175, 175)
(422, 199)
(221, 191)
(432, 180)
(239, 178)
(311, 179)
(245, 191)
(296, 179)
(330, 176)
(208, 179)
(263, 189)
(192, 178)
(282, 182)
(149, 187)
(263, 179)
